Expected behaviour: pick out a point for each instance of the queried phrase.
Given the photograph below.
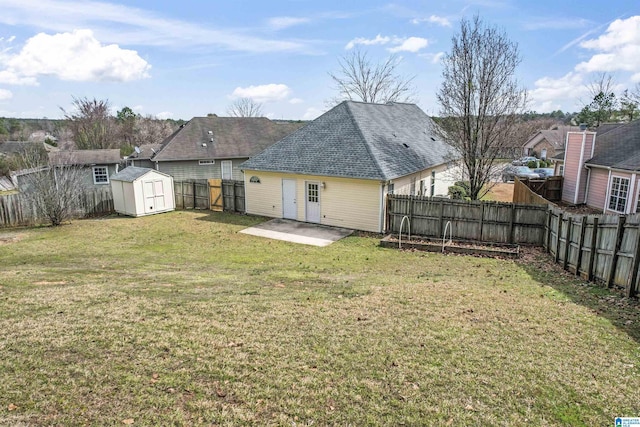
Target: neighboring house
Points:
(547, 143)
(603, 170)
(558, 163)
(99, 165)
(9, 148)
(338, 169)
(214, 147)
(141, 157)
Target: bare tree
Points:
(480, 99)
(150, 130)
(53, 190)
(245, 107)
(92, 124)
(361, 80)
(602, 101)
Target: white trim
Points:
(222, 165)
(632, 189)
(609, 194)
(580, 166)
(586, 190)
(606, 197)
(382, 208)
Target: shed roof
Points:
(213, 137)
(359, 140)
(85, 157)
(131, 173)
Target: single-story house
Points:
(603, 170)
(98, 164)
(214, 147)
(547, 143)
(338, 169)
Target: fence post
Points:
(441, 217)
(547, 243)
(581, 244)
(614, 261)
(511, 221)
(481, 219)
(558, 233)
(631, 290)
(592, 255)
(567, 244)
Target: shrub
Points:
(532, 164)
(460, 190)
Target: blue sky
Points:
(190, 58)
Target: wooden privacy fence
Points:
(549, 189)
(469, 220)
(233, 196)
(601, 248)
(192, 194)
(17, 210)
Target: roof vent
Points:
(210, 132)
(211, 139)
(433, 139)
(204, 144)
(405, 145)
(583, 126)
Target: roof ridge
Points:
(366, 141)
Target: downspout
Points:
(157, 168)
(586, 190)
(580, 166)
(632, 190)
(383, 208)
(606, 198)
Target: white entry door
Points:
(289, 207)
(312, 204)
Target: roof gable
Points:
(223, 138)
(359, 140)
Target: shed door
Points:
(158, 191)
(312, 204)
(289, 209)
(149, 197)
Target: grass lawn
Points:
(176, 319)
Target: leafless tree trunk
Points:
(359, 79)
(245, 107)
(54, 191)
(480, 99)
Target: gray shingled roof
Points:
(131, 173)
(85, 157)
(233, 137)
(147, 151)
(359, 140)
(18, 147)
(618, 148)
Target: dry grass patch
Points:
(178, 319)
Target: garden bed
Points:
(466, 247)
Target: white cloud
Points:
(412, 44)
(618, 49)
(296, 101)
(433, 19)
(282, 22)
(5, 94)
(312, 113)
(367, 42)
(263, 93)
(125, 25)
(549, 93)
(437, 57)
(164, 115)
(75, 56)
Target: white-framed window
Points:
(206, 162)
(100, 175)
(618, 193)
(227, 169)
(390, 188)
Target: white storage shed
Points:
(142, 191)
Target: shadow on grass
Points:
(623, 313)
(230, 218)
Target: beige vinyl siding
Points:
(446, 176)
(597, 188)
(344, 202)
(190, 169)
